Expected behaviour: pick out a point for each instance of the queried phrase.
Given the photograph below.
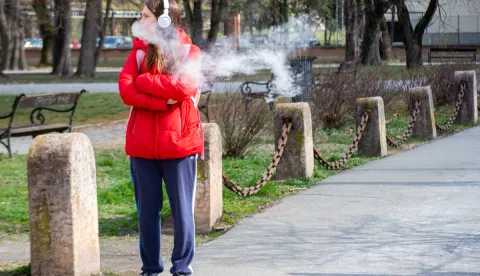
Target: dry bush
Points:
(334, 95)
(240, 127)
(439, 78)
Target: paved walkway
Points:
(415, 213)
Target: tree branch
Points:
(427, 17)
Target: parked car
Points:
(33, 43)
(75, 44)
(116, 42)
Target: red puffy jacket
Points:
(156, 130)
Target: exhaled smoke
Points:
(272, 53)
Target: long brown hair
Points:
(154, 57)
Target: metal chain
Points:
(458, 105)
(409, 130)
(353, 146)
(282, 141)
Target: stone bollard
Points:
(374, 138)
(425, 124)
(209, 199)
(468, 112)
(62, 196)
(297, 161)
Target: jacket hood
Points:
(182, 35)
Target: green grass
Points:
(91, 109)
(13, 269)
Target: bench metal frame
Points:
(249, 96)
(204, 106)
(37, 118)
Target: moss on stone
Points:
(201, 176)
(42, 227)
(36, 144)
(300, 138)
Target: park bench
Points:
(203, 107)
(206, 90)
(258, 90)
(453, 54)
(38, 103)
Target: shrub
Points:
(240, 127)
(334, 94)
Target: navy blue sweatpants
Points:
(180, 177)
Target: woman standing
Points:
(162, 136)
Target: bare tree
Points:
(12, 36)
(62, 57)
(195, 21)
(92, 25)
(351, 30)
(374, 13)
(386, 51)
(103, 32)
(42, 11)
(412, 38)
(218, 9)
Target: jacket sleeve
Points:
(177, 88)
(130, 94)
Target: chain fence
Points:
(351, 148)
(408, 132)
(287, 126)
(458, 105)
(248, 191)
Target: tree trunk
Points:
(46, 30)
(102, 33)
(371, 43)
(371, 37)
(5, 38)
(62, 57)
(351, 31)
(12, 34)
(91, 28)
(412, 38)
(386, 51)
(218, 8)
(392, 24)
(325, 35)
(374, 13)
(195, 21)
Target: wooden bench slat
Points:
(29, 128)
(43, 100)
(35, 129)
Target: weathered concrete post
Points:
(297, 161)
(62, 197)
(425, 124)
(374, 138)
(468, 112)
(209, 200)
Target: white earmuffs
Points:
(164, 21)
